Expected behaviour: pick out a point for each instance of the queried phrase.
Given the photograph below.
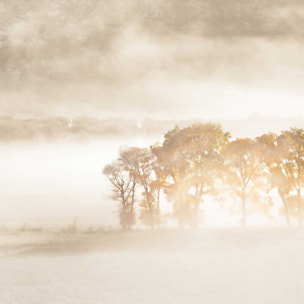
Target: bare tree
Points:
(123, 190)
(138, 161)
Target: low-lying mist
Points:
(51, 171)
(54, 184)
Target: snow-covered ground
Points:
(224, 266)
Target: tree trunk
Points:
(244, 215)
(299, 208)
(286, 207)
(133, 194)
(150, 207)
(299, 197)
(197, 198)
(158, 209)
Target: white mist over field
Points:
(55, 184)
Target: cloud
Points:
(94, 56)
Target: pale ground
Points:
(206, 266)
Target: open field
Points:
(207, 266)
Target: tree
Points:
(138, 161)
(159, 182)
(274, 165)
(123, 190)
(244, 168)
(190, 158)
(173, 159)
(204, 143)
(291, 147)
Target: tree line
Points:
(203, 160)
(64, 128)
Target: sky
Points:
(151, 59)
